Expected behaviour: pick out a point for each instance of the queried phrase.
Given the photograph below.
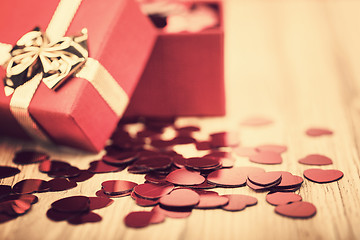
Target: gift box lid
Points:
(120, 38)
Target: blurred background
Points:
(292, 59)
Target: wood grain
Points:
(295, 62)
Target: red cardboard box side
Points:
(13, 24)
(184, 76)
(90, 115)
(76, 115)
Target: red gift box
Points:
(184, 75)
(120, 39)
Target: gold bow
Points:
(33, 54)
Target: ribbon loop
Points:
(34, 54)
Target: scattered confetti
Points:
(72, 204)
(99, 202)
(231, 177)
(224, 139)
(211, 201)
(238, 202)
(315, 159)
(181, 197)
(88, 217)
(61, 184)
(115, 187)
(28, 157)
(153, 191)
(53, 166)
(174, 185)
(281, 198)
(143, 218)
(266, 157)
(173, 212)
(5, 190)
(265, 178)
(102, 167)
(184, 177)
(31, 186)
(317, 132)
(323, 176)
(297, 210)
(6, 172)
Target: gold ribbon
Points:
(52, 58)
(34, 54)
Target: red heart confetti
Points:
(173, 212)
(161, 164)
(83, 176)
(143, 218)
(227, 177)
(98, 203)
(317, 132)
(8, 171)
(188, 129)
(296, 210)
(32, 199)
(114, 187)
(31, 186)
(203, 145)
(101, 193)
(265, 179)
(204, 185)
(88, 217)
(57, 216)
(315, 159)
(153, 191)
(238, 202)
(69, 172)
(184, 177)
(260, 188)
(225, 159)
(61, 184)
(224, 139)
(154, 163)
(102, 167)
(179, 161)
(5, 190)
(155, 178)
(281, 198)
(266, 157)
(53, 166)
(181, 197)
(180, 140)
(211, 201)
(121, 157)
(323, 176)
(28, 157)
(144, 202)
(289, 180)
(72, 204)
(15, 207)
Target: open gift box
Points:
(185, 73)
(85, 109)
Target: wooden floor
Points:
(296, 62)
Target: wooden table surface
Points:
(296, 62)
